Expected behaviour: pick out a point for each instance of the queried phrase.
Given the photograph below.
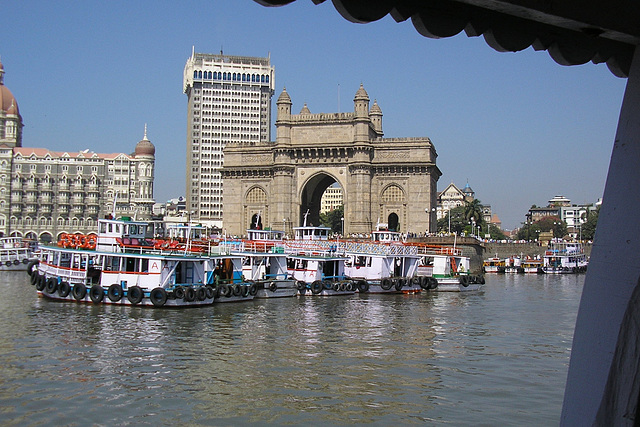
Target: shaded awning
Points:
(572, 31)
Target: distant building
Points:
(331, 199)
(453, 197)
(228, 101)
(44, 193)
(559, 206)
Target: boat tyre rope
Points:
(30, 266)
(64, 289)
(158, 297)
(481, 279)
(335, 287)
(79, 291)
(25, 260)
(226, 290)
(178, 292)
(210, 291)
(34, 278)
(237, 290)
(135, 294)
(96, 293)
(363, 286)
(350, 286)
(464, 281)
(41, 283)
(189, 294)
(316, 287)
(424, 282)
(433, 283)
(52, 285)
(115, 292)
(327, 284)
(386, 284)
(8, 263)
(253, 289)
(245, 290)
(273, 286)
(16, 261)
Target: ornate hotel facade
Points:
(44, 193)
(229, 102)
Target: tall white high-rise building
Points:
(229, 101)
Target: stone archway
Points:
(311, 195)
(312, 151)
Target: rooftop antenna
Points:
(305, 218)
(257, 219)
(338, 97)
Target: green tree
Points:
(589, 227)
(333, 219)
(553, 223)
(496, 233)
(455, 217)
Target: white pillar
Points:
(614, 270)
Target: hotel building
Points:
(228, 101)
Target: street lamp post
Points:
(342, 219)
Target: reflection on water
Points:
(491, 357)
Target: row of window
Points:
(236, 77)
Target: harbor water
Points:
(495, 357)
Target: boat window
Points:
(130, 264)
(112, 263)
(103, 227)
(144, 265)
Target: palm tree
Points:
(473, 211)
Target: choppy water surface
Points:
(499, 356)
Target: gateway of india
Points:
(279, 184)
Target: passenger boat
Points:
(125, 268)
(264, 262)
(384, 265)
(493, 265)
(445, 269)
(16, 254)
(313, 261)
(531, 266)
(564, 258)
(513, 264)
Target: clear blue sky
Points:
(517, 126)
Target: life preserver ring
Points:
(316, 287)
(96, 293)
(158, 297)
(201, 294)
(30, 266)
(189, 294)
(464, 280)
(253, 289)
(178, 292)
(64, 289)
(135, 294)
(52, 285)
(114, 293)
(41, 283)
(79, 291)
(273, 286)
(363, 286)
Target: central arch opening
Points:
(320, 195)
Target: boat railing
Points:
(347, 246)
